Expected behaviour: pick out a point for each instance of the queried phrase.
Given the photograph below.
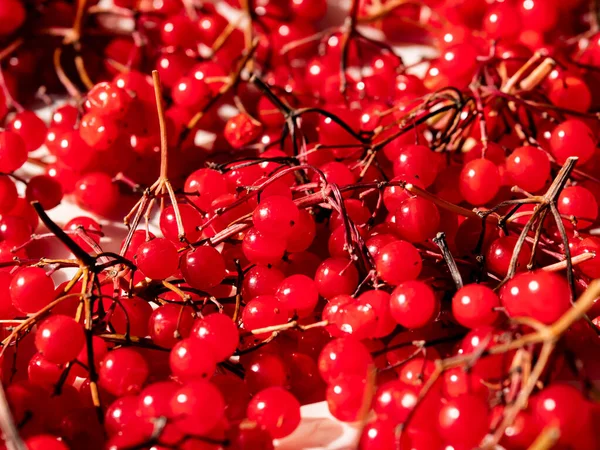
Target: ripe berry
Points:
(474, 305)
(417, 219)
(170, 323)
(275, 215)
(264, 311)
(399, 261)
(500, 252)
(261, 248)
(589, 245)
(218, 332)
(417, 161)
(579, 202)
(572, 138)
(479, 181)
(45, 190)
(463, 420)
(336, 276)
(59, 338)
(97, 193)
(30, 127)
(529, 168)
(342, 357)
(190, 359)
(276, 410)
(203, 267)
(13, 152)
(544, 296)
(241, 130)
(298, 292)
(346, 397)
(197, 407)
(31, 289)
(157, 258)
(413, 304)
(123, 371)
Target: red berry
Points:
(197, 407)
(123, 371)
(463, 420)
(474, 305)
(218, 332)
(170, 323)
(399, 261)
(157, 259)
(190, 359)
(97, 193)
(13, 152)
(31, 289)
(572, 138)
(261, 248)
(298, 292)
(30, 127)
(59, 338)
(500, 252)
(479, 181)
(342, 357)
(413, 304)
(580, 203)
(544, 296)
(276, 215)
(276, 410)
(529, 168)
(336, 276)
(45, 190)
(203, 267)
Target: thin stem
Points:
(162, 124)
(440, 241)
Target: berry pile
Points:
(415, 245)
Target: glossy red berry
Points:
(123, 371)
(170, 323)
(417, 161)
(157, 259)
(97, 193)
(8, 194)
(417, 219)
(463, 420)
(261, 248)
(474, 305)
(241, 130)
(399, 261)
(479, 181)
(342, 357)
(346, 397)
(45, 190)
(59, 338)
(276, 215)
(218, 332)
(572, 138)
(336, 276)
(529, 168)
(264, 311)
(13, 152)
(190, 360)
(413, 304)
(203, 267)
(197, 407)
(30, 127)
(580, 203)
(545, 296)
(500, 252)
(298, 293)
(190, 218)
(276, 410)
(31, 289)
(591, 267)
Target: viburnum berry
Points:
(197, 407)
(275, 215)
(157, 258)
(463, 420)
(203, 267)
(542, 295)
(45, 190)
(417, 219)
(123, 371)
(336, 276)
(261, 248)
(413, 304)
(30, 127)
(299, 293)
(13, 152)
(276, 410)
(190, 359)
(170, 323)
(572, 138)
(190, 218)
(108, 99)
(474, 305)
(500, 252)
(219, 332)
(264, 311)
(479, 181)
(241, 130)
(342, 357)
(529, 168)
(97, 193)
(580, 203)
(59, 338)
(31, 289)
(417, 161)
(8, 194)
(346, 397)
(399, 261)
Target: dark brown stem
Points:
(440, 241)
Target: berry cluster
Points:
(413, 244)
